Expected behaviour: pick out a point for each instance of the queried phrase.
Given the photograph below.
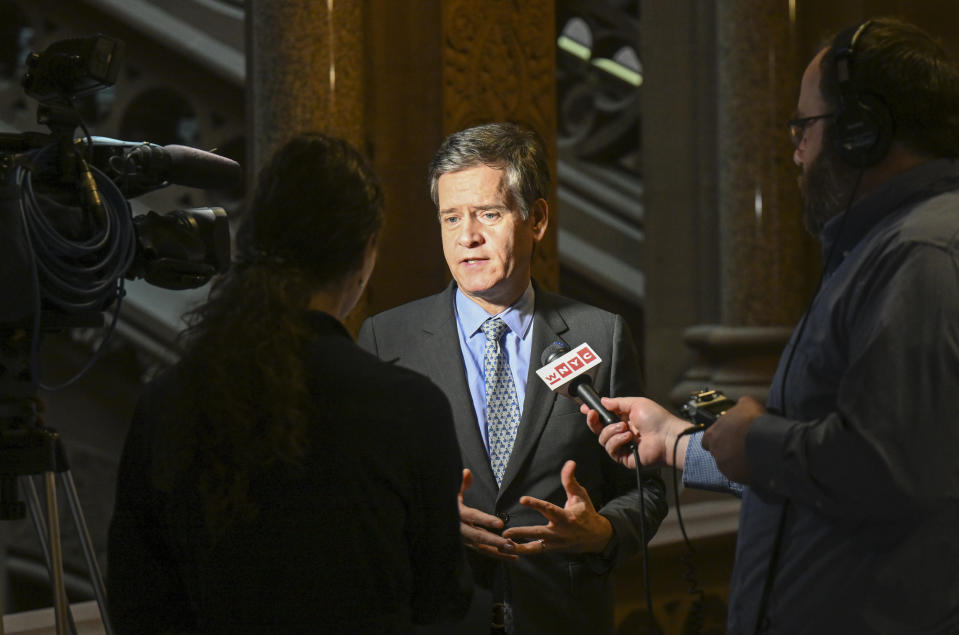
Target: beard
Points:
(827, 187)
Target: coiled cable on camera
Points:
(79, 275)
(76, 275)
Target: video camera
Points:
(68, 237)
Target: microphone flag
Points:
(559, 372)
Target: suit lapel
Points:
(446, 368)
(548, 326)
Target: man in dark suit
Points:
(546, 515)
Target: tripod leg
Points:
(55, 572)
(39, 521)
(61, 608)
(96, 578)
(3, 589)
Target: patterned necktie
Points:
(502, 407)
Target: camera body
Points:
(72, 68)
(69, 236)
(705, 406)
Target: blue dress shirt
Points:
(517, 342)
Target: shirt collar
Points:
(898, 194)
(324, 323)
(518, 316)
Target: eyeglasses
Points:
(797, 127)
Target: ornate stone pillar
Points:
(394, 78)
(499, 63)
(767, 262)
(305, 71)
(764, 251)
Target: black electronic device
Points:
(705, 406)
(863, 125)
(72, 68)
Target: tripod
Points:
(27, 448)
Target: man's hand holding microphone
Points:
(658, 434)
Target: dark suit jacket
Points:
(552, 593)
(361, 537)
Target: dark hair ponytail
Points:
(244, 394)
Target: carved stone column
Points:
(305, 71)
(767, 262)
(394, 78)
(764, 253)
(499, 63)
(739, 360)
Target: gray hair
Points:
(510, 147)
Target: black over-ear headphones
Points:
(863, 126)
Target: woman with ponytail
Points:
(274, 480)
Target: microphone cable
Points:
(642, 537)
(697, 612)
(76, 275)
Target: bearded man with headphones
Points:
(850, 473)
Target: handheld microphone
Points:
(141, 167)
(570, 372)
(188, 166)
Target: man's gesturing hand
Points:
(574, 528)
(475, 529)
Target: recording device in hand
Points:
(68, 239)
(705, 406)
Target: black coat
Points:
(363, 538)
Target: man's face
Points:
(826, 181)
(487, 245)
